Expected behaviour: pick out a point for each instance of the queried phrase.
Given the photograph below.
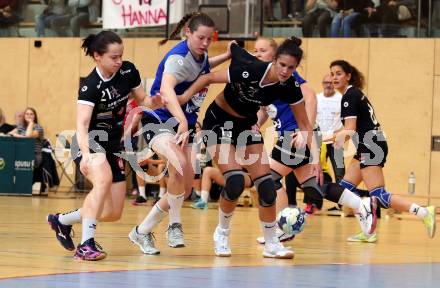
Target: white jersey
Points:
(329, 112)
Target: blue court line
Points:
(358, 276)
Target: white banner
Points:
(120, 14)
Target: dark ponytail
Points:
(292, 48)
(195, 19)
(357, 79)
(98, 43)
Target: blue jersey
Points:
(281, 114)
(180, 63)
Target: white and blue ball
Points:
(291, 220)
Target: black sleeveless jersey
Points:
(245, 92)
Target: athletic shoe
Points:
(361, 237)
(175, 235)
(200, 205)
(310, 208)
(429, 221)
(334, 208)
(139, 201)
(90, 251)
(64, 233)
(144, 241)
(366, 215)
(282, 236)
(194, 197)
(221, 242)
(277, 250)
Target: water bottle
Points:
(411, 183)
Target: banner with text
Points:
(120, 14)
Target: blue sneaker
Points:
(90, 251)
(62, 232)
(200, 205)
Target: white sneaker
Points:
(282, 236)
(221, 242)
(277, 250)
(367, 216)
(175, 236)
(144, 241)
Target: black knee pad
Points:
(333, 192)
(277, 179)
(312, 189)
(267, 194)
(234, 184)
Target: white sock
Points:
(175, 202)
(142, 192)
(88, 229)
(162, 191)
(204, 195)
(153, 218)
(420, 212)
(197, 192)
(350, 199)
(71, 217)
(269, 230)
(224, 219)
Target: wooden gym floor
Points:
(30, 256)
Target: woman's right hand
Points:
(298, 140)
(182, 134)
(84, 164)
(339, 140)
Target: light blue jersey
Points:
(180, 63)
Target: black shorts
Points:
(219, 127)
(116, 164)
(110, 148)
(373, 152)
(152, 127)
(285, 153)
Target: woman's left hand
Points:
(339, 140)
(317, 172)
(298, 140)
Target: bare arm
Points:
(310, 102)
(203, 81)
(84, 114)
(262, 116)
(346, 133)
(30, 132)
(142, 98)
(305, 127)
(15, 133)
(219, 59)
(167, 91)
(134, 123)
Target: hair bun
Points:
(88, 43)
(296, 40)
(89, 39)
